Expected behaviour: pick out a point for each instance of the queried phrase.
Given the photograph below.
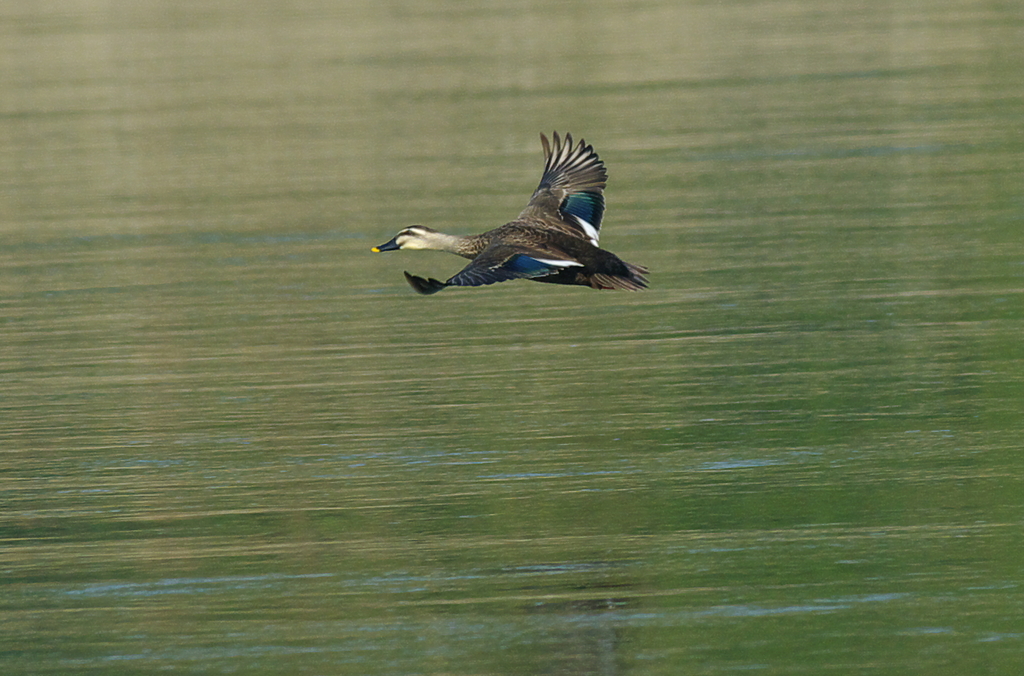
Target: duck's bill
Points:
(387, 246)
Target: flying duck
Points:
(554, 239)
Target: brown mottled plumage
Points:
(553, 240)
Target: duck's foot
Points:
(424, 286)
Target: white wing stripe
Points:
(590, 230)
(557, 264)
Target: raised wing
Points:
(570, 197)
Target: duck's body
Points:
(553, 240)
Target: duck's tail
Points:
(636, 281)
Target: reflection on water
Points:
(233, 440)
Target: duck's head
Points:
(413, 237)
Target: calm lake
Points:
(234, 440)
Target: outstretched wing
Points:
(500, 263)
(570, 197)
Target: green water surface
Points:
(235, 441)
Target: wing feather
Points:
(570, 196)
(500, 263)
